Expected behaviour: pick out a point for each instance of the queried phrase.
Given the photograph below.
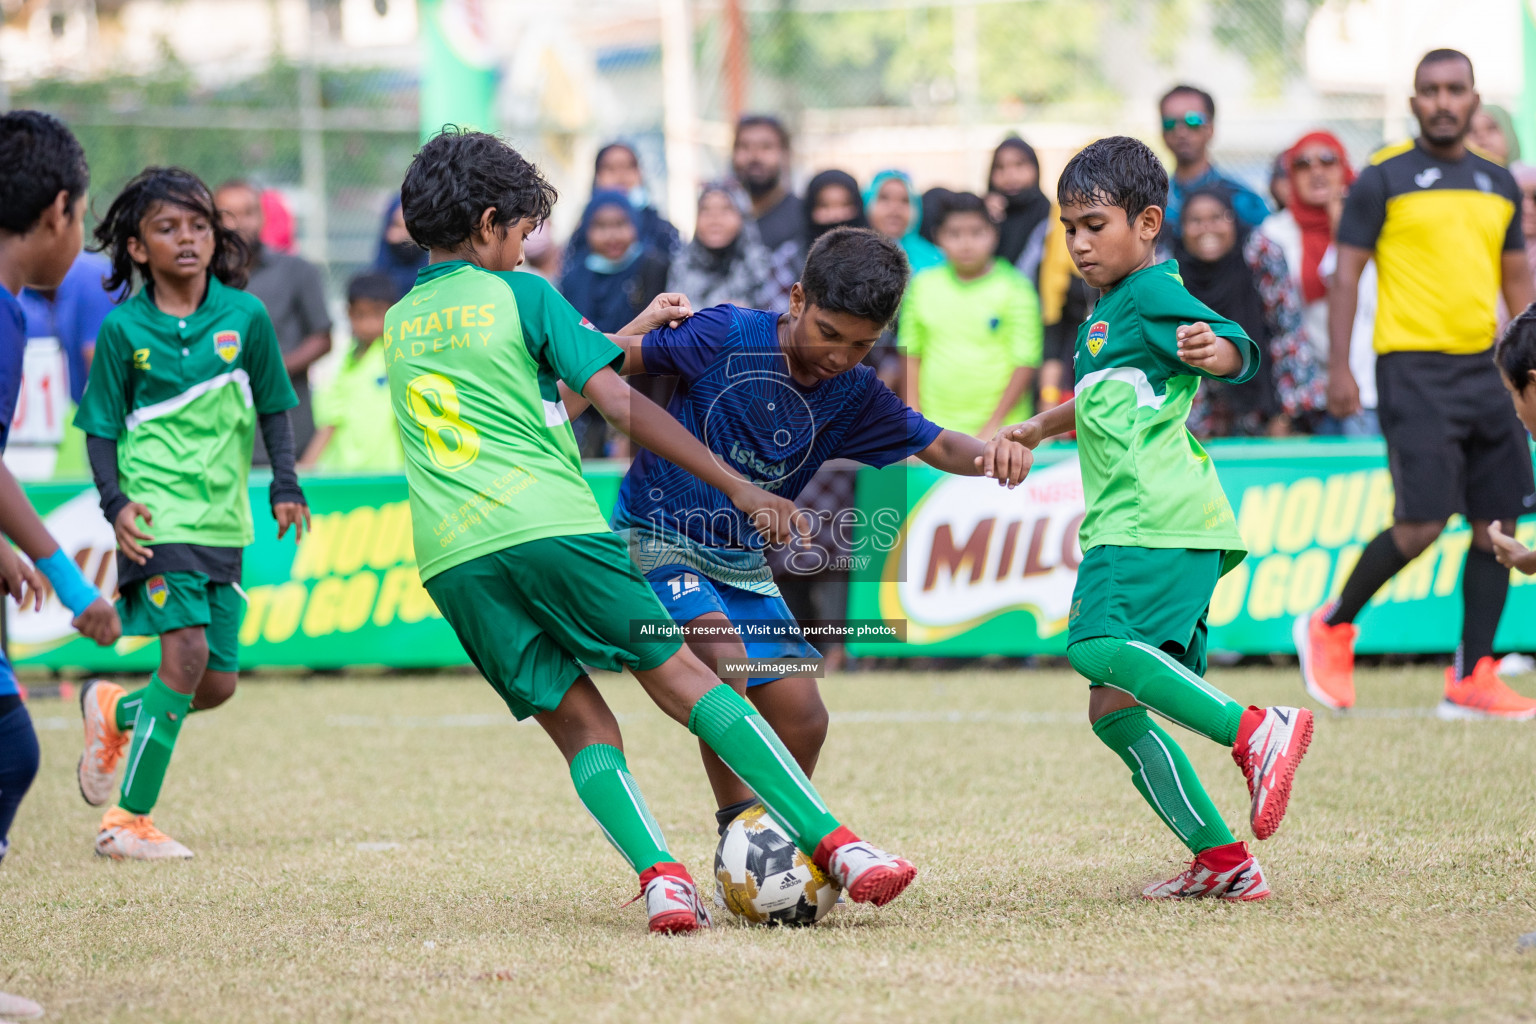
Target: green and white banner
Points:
(976, 569)
(971, 568)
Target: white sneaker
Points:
(1200, 881)
(868, 874)
(672, 900)
(126, 836)
(97, 771)
(17, 1008)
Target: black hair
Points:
(457, 176)
(1190, 90)
(959, 202)
(1117, 171)
(151, 188)
(40, 158)
(933, 201)
(1279, 171)
(597, 161)
(372, 286)
(1515, 354)
(1012, 142)
(1440, 56)
(761, 121)
(856, 271)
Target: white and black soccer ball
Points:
(762, 878)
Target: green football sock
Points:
(1164, 777)
(1159, 682)
(750, 748)
(161, 711)
(128, 709)
(611, 796)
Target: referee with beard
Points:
(1443, 224)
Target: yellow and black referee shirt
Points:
(1438, 229)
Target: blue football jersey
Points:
(735, 394)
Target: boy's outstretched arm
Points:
(1203, 349)
(1005, 460)
(666, 310)
(650, 426)
(1056, 420)
(93, 615)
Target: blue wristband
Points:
(72, 588)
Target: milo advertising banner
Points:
(975, 569)
(347, 595)
(970, 567)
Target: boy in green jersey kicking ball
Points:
(184, 371)
(1158, 532)
(512, 546)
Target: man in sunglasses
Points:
(1189, 118)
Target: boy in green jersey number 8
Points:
(511, 544)
(1159, 531)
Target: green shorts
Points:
(530, 616)
(1159, 596)
(176, 600)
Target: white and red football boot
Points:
(867, 874)
(1223, 872)
(672, 900)
(1270, 744)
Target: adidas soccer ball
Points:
(761, 878)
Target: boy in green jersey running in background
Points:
(184, 371)
(1158, 532)
(512, 546)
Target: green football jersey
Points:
(1146, 481)
(473, 358)
(180, 396)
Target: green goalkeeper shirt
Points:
(1146, 481)
(181, 395)
(473, 358)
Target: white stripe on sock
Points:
(652, 826)
(134, 767)
(1221, 699)
(1178, 781)
(790, 767)
(1164, 714)
(1157, 806)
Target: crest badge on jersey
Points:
(157, 590)
(1098, 334)
(227, 345)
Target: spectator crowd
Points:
(985, 334)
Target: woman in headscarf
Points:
(726, 261)
(619, 275)
(1320, 177)
(1021, 209)
(832, 200)
(616, 278)
(1493, 131)
(893, 208)
(398, 255)
(617, 169)
(1242, 275)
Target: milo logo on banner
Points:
(972, 550)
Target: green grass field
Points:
(400, 850)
